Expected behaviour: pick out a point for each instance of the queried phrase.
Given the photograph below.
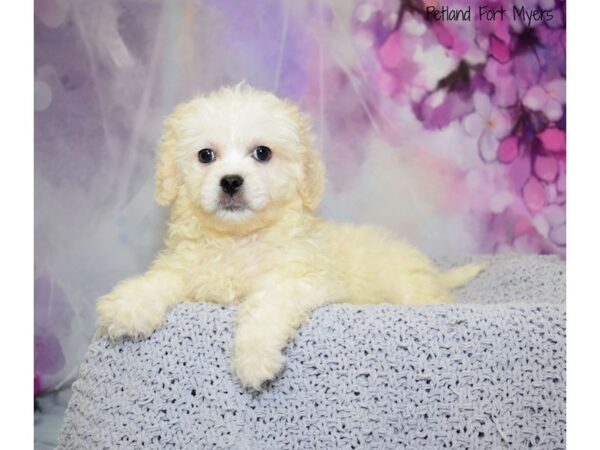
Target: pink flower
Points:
(499, 49)
(443, 34)
(508, 150)
(390, 53)
(534, 195)
(547, 98)
(553, 139)
(489, 124)
(546, 168)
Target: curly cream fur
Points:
(276, 260)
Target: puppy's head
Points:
(237, 154)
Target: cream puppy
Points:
(243, 179)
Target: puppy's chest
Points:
(225, 273)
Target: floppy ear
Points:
(313, 178)
(313, 183)
(166, 173)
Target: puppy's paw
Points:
(129, 312)
(254, 366)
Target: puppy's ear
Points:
(166, 178)
(313, 180)
(313, 184)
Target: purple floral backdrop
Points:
(450, 133)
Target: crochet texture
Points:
(488, 372)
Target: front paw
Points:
(253, 365)
(129, 312)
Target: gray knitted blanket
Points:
(486, 373)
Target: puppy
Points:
(239, 169)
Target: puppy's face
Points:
(238, 153)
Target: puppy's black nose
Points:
(231, 183)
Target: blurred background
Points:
(452, 134)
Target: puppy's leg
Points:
(267, 319)
(137, 306)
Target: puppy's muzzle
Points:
(231, 184)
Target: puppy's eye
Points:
(262, 153)
(206, 155)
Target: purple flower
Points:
(49, 357)
(37, 385)
(488, 123)
(437, 109)
(502, 77)
(547, 98)
(52, 318)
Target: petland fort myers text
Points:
(489, 13)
